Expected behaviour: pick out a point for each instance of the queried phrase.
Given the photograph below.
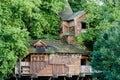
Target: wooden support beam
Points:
(50, 78)
(78, 77)
(16, 78)
(31, 78)
(19, 67)
(64, 78)
(82, 78)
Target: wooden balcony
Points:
(25, 63)
(86, 69)
(25, 68)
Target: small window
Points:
(34, 58)
(84, 25)
(83, 61)
(42, 58)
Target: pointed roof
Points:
(67, 12)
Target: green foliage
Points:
(13, 44)
(77, 5)
(99, 19)
(105, 57)
(42, 20)
(38, 17)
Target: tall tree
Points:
(106, 54)
(13, 45)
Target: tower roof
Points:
(67, 12)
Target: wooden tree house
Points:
(62, 57)
(53, 58)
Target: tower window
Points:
(84, 25)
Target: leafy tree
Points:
(77, 5)
(17, 19)
(106, 54)
(13, 45)
(99, 18)
(39, 17)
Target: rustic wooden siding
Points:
(71, 24)
(64, 26)
(47, 71)
(59, 69)
(58, 64)
(81, 18)
(78, 25)
(74, 68)
(35, 67)
(64, 59)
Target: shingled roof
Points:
(67, 12)
(76, 14)
(54, 46)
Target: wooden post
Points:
(31, 79)
(50, 78)
(82, 78)
(78, 77)
(19, 67)
(64, 78)
(16, 78)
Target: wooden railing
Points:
(86, 69)
(25, 68)
(30, 68)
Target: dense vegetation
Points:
(77, 5)
(21, 20)
(106, 54)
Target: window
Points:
(34, 58)
(83, 61)
(42, 58)
(38, 58)
(83, 25)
